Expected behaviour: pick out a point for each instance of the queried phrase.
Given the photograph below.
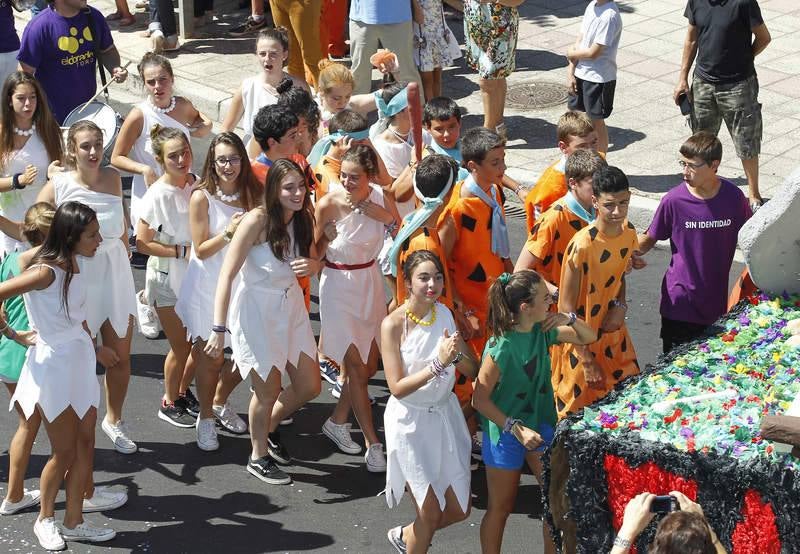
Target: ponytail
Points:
(506, 295)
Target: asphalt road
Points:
(184, 500)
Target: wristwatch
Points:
(227, 235)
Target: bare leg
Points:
(117, 377)
(358, 376)
(437, 83)
(751, 172)
(257, 8)
(229, 379)
(175, 361)
(261, 403)
(502, 485)
(63, 435)
(207, 372)
(534, 460)
(19, 451)
(602, 134)
(80, 477)
(188, 371)
(493, 96)
(305, 387)
(427, 83)
(430, 518)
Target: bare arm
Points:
(146, 245)
(204, 245)
(235, 112)
(199, 124)
(576, 54)
(127, 137)
(762, 39)
(646, 243)
(10, 228)
(687, 59)
(488, 375)
(35, 278)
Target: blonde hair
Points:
(333, 74)
(37, 222)
(573, 124)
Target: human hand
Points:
(463, 325)
(233, 224)
(340, 147)
(303, 267)
(28, 176)
(686, 504)
(572, 84)
(553, 320)
(521, 192)
(594, 375)
(448, 348)
(637, 260)
(150, 176)
(53, 168)
(680, 88)
(25, 338)
(529, 438)
(215, 345)
(119, 74)
(637, 516)
(372, 210)
(107, 357)
(614, 320)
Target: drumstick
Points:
(415, 111)
(99, 92)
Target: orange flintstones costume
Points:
(472, 265)
(423, 239)
(551, 186)
(601, 261)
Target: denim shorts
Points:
(509, 453)
(736, 104)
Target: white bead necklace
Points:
(168, 109)
(25, 132)
(228, 197)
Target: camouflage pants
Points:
(735, 103)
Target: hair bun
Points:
(285, 84)
(155, 130)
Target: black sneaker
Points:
(189, 402)
(268, 471)
(249, 26)
(176, 415)
(276, 449)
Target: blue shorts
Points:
(509, 453)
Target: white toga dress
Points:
(427, 441)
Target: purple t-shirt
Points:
(702, 236)
(9, 41)
(61, 49)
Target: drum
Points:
(102, 115)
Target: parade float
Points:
(709, 419)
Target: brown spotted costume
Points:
(602, 262)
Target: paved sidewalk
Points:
(646, 128)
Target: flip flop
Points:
(116, 16)
(127, 21)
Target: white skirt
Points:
(195, 304)
(427, 447)
(56, 377)
(111, 292)
(269, 328)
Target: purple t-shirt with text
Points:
(702, 236)
(9, 41)
(62, 51)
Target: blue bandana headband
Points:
(397, 104)
(324, 144)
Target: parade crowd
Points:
(483, 349)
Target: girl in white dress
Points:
(227, 190)
(270, 330)
(108, 275)
(351, 222)
(272, 52)
(163, 233)
(30, 139)
(428, 444)
(58, 377)
(133, 150)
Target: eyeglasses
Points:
(690, 165)
(233, 160)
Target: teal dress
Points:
(12, 354)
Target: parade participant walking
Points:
(427, 441)
(513, 391)
(228, 189)
(111, 307)
(162, 233)
(65, 394)
(725, 38)
(272, 52)
(133, 150)
(30, 140)
(351, 223)
(61, 45)
(270, 330)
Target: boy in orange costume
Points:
(475, 238)
(574, 131)
(593, 287)
(544, 250)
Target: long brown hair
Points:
(160, 135)
(70, 159)
(302, 222)
(506, 295)
(247, 184)
(46, 125)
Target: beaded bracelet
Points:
(510, 422)
(437, 368)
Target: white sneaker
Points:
(147, 317)
(207, 434)
(104, 499)
(29, 498)
(340, 435)
(375, 458)
(86, 533)
(229, 419)
(118, 434)
(48, 534)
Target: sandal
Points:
(116, 16)
(127, 21)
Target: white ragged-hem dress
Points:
(427, 441)
(108, 273)
(59, 370)
(268, 318)
(352, 299)
(195, 304)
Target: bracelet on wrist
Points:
(220, 329)
(15, 184)
(176, 252)
(622, 542)
(510, 422)
(573, 317)
(459, 356)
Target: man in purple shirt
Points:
(59, 50)
(701, 217)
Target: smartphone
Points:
(685, 105)
(664, 504)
